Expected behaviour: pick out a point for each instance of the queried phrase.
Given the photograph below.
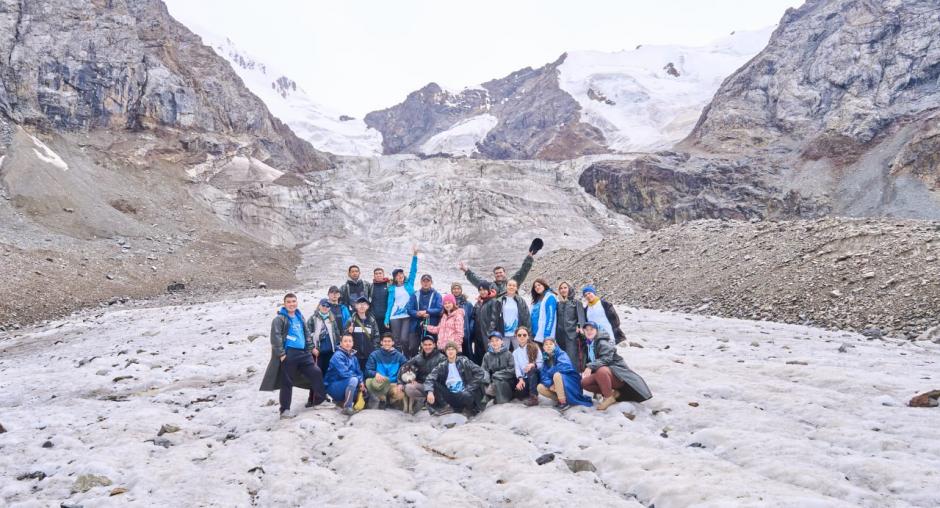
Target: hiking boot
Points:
(348, 411)
(608, 401)
(533, 400)
(315, 401)
(383, 405)
(287, 415)
(446, 410)
(561, 407)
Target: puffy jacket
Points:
(558, 361)
(351, 287)
(544, 314)
(519, 276)
(343, 366)
(449, 329)
(604, 354)
(386, 363)
(341, 313)
(430, 301)
(409, 286)
(423, 364)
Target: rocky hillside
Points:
(583, 103)
(837, 115)
(107, 109)
(867, 275)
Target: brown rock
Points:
(928, 399)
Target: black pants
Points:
(531, 385)
(464, 399)
(323, 363)
(299, 361)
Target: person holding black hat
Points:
(364, 330)
(499, 273)
(424, 307)
(399, 294)
(340, 311)
(325, 332)
(499, 371)
(607, 373)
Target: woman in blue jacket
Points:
(399, 294)
(344, 377)
(544, 311)
(559, 381)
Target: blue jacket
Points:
(343, 366)
(468, 321)
(341, 313)
(386, 363)
(430, 301)
(409, 286)
(544, 313)
(559, 362)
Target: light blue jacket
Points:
(409, 287)
(544, 316)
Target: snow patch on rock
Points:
(462, 138)
(47, 155)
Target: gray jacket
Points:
(272, 374)
(519, 276)
(606, 355)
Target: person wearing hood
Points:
(379, 299)
(487, 317)
(396, 307)
(527, 360)
(450, 328)
(457, 382)
(292, 352)
(364, 330)
(344, 376)
(499, 371)
(514, 312)
(456, 289)
(568, 330)
(422, 364)
(325, 332)
(603, 313)
(340, 311)
(354, 288)
(559, 381)
(499, 274)
(544, 311)
(424, 307)
(607, 373)
(382, 374)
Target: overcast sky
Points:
(356, 56)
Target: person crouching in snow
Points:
(344, 377)
(527, 360)
(560, 382)
(450, 328)
(382, 373)
(292, 351)
(457, 382)
(422, 364)
(499, 372)
(607, 373)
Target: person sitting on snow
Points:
(422, 364)
(344, 377)
(456, 382)
(382, 373)
(559, 381)
(607, 373)
(527, 360)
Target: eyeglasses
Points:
(522, 335)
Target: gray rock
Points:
(545, 459)
(167, 428)
(86, 482)
(580, 465)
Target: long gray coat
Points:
(606, 355)
(570, 317)
(500, 369)
(272, 374)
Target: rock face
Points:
(839, 111)
(536, 119)
(91, 65)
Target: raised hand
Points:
(414, 249)
(462, 266)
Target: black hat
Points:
(426, 276)
(396, 272)
(333, 289)
(362, 299)
(487, 285)
(428, 338)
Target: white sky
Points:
(357, 56)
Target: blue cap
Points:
(588, 289)
(592, 324)
(495, 333)
(324, 302)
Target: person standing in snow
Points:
(340, 311)
(568, 330)
(527, 360)
(607, 373)
(487, 317)
(399, 294)
(422, 364)
(457, 382)
(603, 313)
(456, 289)
(450, 328)
(354, 288)
(379, 298)
(559, 381)
(382, 374)
(364, 330)
(291, 353)
(424, 308)
(499, 371)
(344, 377)
(499, 274)
(544, 311)
(514, 312)
(325, 333)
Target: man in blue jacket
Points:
(382, 374)
(425, 308)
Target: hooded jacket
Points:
(544, 314)
(343, 366)
(317, 324)
(570, 318)
(280, 327)
(430, 301)
(379, 300)
(386, 363)
(409, 286)
(488, 316)
(524, 317)
(604, 354)
(366, 334)
(558, 361)
(450, 328)
(341, 313)
(423, 364)
(354, 287)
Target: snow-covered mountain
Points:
(324, 129)
(586, 102)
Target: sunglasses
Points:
(522, 335)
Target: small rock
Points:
(35, 475)
(109, 277)
(836, 293)
(693, 404)
(844, 348)
(580, 465)
(122, 378)
(629, 416)
(696, 445)
(2, 428)
(176, 287)
(251, 369)
(928, 399)
(262, 285)
(68, 210)
(797, 362)
(545, 459)
(47, 444)
(167, 428)
(636, 344)
(873, 333)
(86, 482)
(868, 275)
(252, 338)
(755, 344)
(117, 491)
(162, 441)
(259, 469)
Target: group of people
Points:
(386, 343)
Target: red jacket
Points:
(449, 329)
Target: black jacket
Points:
(470, 373)
(498, 366)
(423, 364)
(365, 335)
(379, 300)
(525, 319)
(487, 316)
(349, 290)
